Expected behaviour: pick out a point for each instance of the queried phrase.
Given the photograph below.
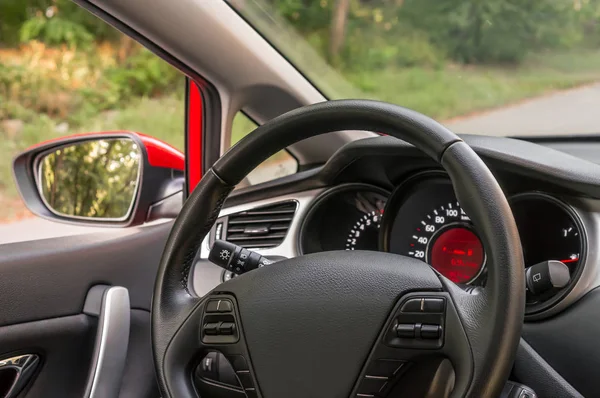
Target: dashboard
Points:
(383, 194)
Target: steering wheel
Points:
(337, 324)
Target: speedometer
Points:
(445, 239)
(424, 220)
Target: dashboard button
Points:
(430, 332)
(413, 305)
(433, 305)
(212, 306)
(405, 331)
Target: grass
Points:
(455, 91)
(442, 93)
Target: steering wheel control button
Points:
(226, 328)
(238, 362)
(208, 368)
(251, 393)
(433, 305)
(245, 379)
(210, 329)
(405, 331)
(225, 370)
(385, 367)
(424, 304)
(215, 367)
(372, 385)
(224, 306)
(413, 305)
(219, 323)
(418, 323)
(432, 332)
(212, 306)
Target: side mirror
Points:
(112, 179)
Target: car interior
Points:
(399, 260)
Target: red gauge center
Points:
(457, 253)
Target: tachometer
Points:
(365, 230)
(445, 239)
(346, 217)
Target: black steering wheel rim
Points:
(492, 320)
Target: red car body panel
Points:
(194, 136)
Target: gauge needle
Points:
(570, 260)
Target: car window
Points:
(64, 71)
(279, 165)
(493, 67)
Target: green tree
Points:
(494, 31)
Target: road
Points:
(566, 112)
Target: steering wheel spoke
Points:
(425, 337)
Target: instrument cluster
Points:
(423, 219)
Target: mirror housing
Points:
(155, 170)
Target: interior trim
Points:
(533, 370)
(112, 340)
(24, 367)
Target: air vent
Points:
(263, 227)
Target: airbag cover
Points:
(310, 322)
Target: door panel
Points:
(51, 277)
(65, 347)
(140, 364)
(44, 285)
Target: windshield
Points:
(495, 67)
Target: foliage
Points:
(12, 15)
(368, 51)
(143, 74)
(384, 33)
(494, 31)
(33, 92)
(55, 31)
(54, 21)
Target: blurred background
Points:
(64, 71)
